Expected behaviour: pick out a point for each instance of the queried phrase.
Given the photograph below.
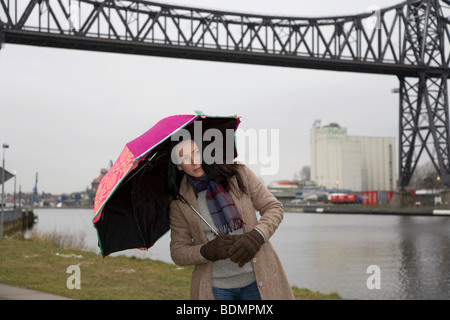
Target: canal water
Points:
(327, 252)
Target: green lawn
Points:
(43, 266)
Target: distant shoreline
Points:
(343, 209)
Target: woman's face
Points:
(190, 158)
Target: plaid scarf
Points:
(220, 204)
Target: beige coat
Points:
(187, 237)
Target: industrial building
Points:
(339, 161)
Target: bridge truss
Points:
(410, 40)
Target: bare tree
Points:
(305, 173)
(426, 177)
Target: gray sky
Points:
(66, 113)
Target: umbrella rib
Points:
(139, 170)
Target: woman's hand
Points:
(218, 248)
(245, 247)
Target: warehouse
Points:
(350, 162)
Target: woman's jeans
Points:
(249, 292)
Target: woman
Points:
(239, 262)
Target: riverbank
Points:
(42, 266)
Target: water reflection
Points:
(424, 272)
(330, 252)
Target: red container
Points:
(351, 198)
(365, 200)
(389, 195)
(373, 198)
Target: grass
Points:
(41, 265)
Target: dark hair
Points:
(220, 173)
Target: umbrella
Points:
(131, 207)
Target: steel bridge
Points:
(410, 40)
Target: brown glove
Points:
(218, 248)
(246, 247)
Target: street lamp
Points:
(15, 178)
(5, 146)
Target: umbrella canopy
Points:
(131, 207)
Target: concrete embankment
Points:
(23, 217)
(370, 210)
